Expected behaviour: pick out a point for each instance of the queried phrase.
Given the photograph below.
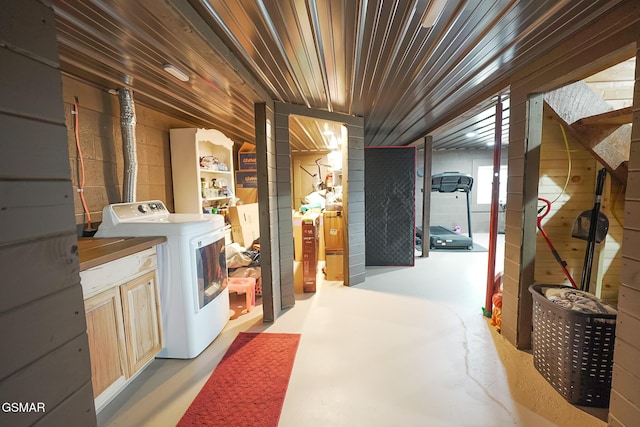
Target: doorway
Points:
(274, 150)
(318, 212)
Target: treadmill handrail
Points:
(449, 182)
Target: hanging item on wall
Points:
(390, 178)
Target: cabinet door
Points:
(106, 340)
(142, 322)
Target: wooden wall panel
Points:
(267, 199)
(32, 150)
(282, 209)
(32, 81)
(610, 262)
(44, 355)
(623, 411)
(425, 196)
(625, 403)
(25, 339)
(630, 273)
(65, 373)
(628, 326)
(355, 232)
(556, 163)
(25, 203)
(81, 398)
(27, 26)
(514, 216)
(53, 267)
(630, 247)
(626, 356)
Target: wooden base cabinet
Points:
(141, 311)
(105, 329)
(124, 321)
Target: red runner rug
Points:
(248, 387)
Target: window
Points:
(484, 183)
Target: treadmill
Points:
(442, 237)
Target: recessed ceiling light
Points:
(490, 143)
(176, 72)
(471, 134)
(433, 13)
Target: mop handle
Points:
(591, 239)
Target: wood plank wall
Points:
(625, 395)
(610, 263)
(282, 207)
(603, 43)
(101, 144)
(566, 206)
(354, 218)
(578, 197)
(265, 163)
(45, 354)
(523, 167)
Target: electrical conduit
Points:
(76, 132)
(128, 129)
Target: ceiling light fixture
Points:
(433, 13)
(470, 134)
(176, 72)
(490, 144)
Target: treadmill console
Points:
(448, 182)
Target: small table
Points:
(244, 285)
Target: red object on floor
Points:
(248, 386)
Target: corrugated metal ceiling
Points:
(369, 58)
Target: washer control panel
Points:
(138, 210)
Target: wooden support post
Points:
(426, 194)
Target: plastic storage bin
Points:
(572, 350)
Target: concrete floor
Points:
(409, 347)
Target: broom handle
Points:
(591, 240)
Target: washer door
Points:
(210, 267)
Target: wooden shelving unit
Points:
(197, 156)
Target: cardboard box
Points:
(334, 269)
(321, 239)
(247, 161)
(298, 288)
(247, 195)
(297, 236)
(246, 179)
(310, 237)
(247, 157)
(245, 223)
(332, 227)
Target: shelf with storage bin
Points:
(205, 170)
(199, 156)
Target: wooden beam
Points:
(616, 117)
(609, 144)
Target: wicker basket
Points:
(573, 350)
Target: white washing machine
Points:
(192, 271)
